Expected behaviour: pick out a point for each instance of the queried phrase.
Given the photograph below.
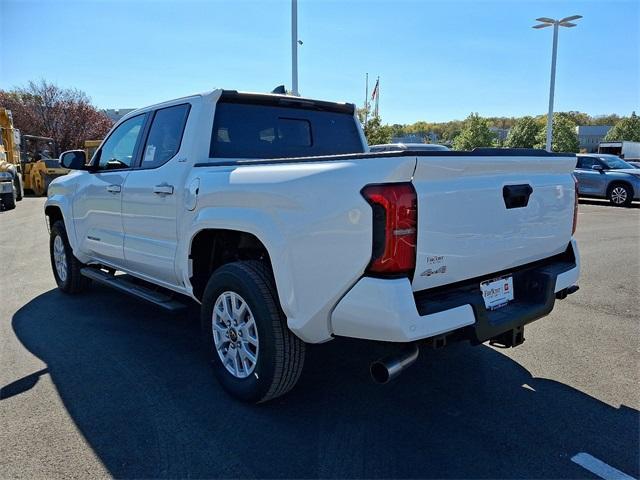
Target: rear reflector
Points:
(394, 207)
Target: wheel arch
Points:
(210, 248)
(57, 208)
(53, 214)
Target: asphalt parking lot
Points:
(104, 385)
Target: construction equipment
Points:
(30, 159)
(90, 147)
(10, 167)
(39, 165)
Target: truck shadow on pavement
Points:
(137, 385)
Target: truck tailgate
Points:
(474, 217)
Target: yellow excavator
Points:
(29, 159)
(90, 147)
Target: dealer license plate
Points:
(497, 292)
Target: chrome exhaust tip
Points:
(386, 369)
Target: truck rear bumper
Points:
(388, 310)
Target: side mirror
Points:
(74, 160)
(597, 167)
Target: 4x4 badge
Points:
(429, 271)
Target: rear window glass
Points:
(165, 135)
(264, 131)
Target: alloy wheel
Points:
(619, 195)
(235, 334)
(60, 258)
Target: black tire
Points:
(281, 354)
(18, 186)
(74, 282)
(8, 201)
(620, 194)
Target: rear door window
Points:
(243, 130)
(586, 162)
(165, 135)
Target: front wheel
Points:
(620, 195)
(66, 267)
(17, 182)
(8, 200)
(254, 354)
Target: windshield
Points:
(615, 163)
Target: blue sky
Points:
(437, 60)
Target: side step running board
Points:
(125, 284)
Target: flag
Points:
(374, 94)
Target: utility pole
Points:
(294, 48)
(548, 22)
(552, 86)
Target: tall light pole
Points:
(548, 22)
(294, 48)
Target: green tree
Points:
(398, 130)
(475, 133)
(523, 133)
(578, 118)
(626, 129)
(610, 119)
(565, 137)
(377, 133)
(374, 130)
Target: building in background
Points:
(116, 114)
(500, 133)
(589, 136)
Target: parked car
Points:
(269, 211)
(634, 164)
(394, 147)
(607, 176)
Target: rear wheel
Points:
(620, 195)
(254, 354)
(66, 267)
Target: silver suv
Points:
(607, 176)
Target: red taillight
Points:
(575, 206)
(395, 213)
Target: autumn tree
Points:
(64, 114)
(474, 133)
(626, 129)
(564, 135)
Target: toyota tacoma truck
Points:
(271, 213)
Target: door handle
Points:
(516, 196)
(113, 188)
(163, 189)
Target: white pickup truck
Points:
(271, 213)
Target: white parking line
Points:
(599, 468)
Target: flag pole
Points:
(377, 95)
(366, 100)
